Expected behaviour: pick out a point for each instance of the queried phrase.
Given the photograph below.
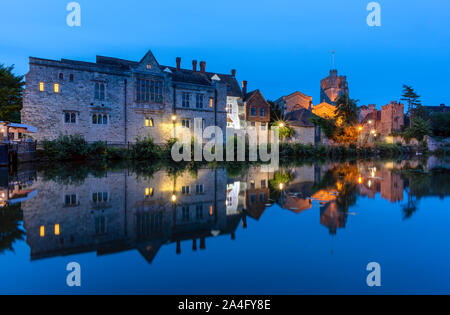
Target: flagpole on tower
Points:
(332, 57)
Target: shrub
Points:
(145, 149)
(66, 147)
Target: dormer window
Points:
(149, 66)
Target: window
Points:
(149, 66)
(149, 91)
(185, 99)
(100, 225)
(263, 183)
(261, 112)
(71, 78)
(199, 211)
(199, 100)
(99, 119)
(185, 213)
(56, 88)
(230, 109)
(199, 189)
(148, 192)
(253, 111)
(70, 200)
(253, 124)
(99, 91)
(263, 126)
(61, 76)
(185, 123)
(149, 122)
(211, 102)
(199, 123)
(41, 87)
(185, 190)
(70, 117)
(57, 232)
(211, 210)
(253, 198)
(252, 184)
(99, 197)
(262, 197)
(42, 231)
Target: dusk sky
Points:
(278, 46)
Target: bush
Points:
(146, 149)
(66, 147)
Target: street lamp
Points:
(174, 117)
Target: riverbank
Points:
(75, 148)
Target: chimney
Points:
(194, 65)
(202, 66)
(442, 105)
(233, 72)
(244, 87)
(178, 63)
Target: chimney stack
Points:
(194, 65)
(233, 72)
(202, 66)
(442, 105)
(178, 63)
(244, 87)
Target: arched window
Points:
(105, 119)
(94, 119)
(61, 76)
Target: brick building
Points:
(118, 100)
(257, 111)
(294, 101)
(332, 87)
(389, 119)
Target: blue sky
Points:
(278, 46)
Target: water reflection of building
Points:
(382, 180)
(17, 188)
(121, 212)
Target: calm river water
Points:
(303, 229)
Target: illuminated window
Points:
(41, 87)
(149, 66)
(211, 210)
(149, 192)
(56, 88)
(42, 231)
(211, 102)
(149, 122)
(56, 229)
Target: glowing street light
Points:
(281, 125)
(174, 117)
(360, 128)
(174, 198)
(281, 186)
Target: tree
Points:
(11, 87)
(413, 100)
(276, 113)
(440, 124)
(346, 110)
(419, 129)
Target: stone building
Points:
(332, 87)
(306, 132)
(118, 100)
(324, 110)
(389, 119)
(364, 110)
(294, 101)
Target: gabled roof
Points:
(300, 118)
(233, 88)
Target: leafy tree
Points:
(276, 113)
(10, 230)
(419, 129)
(346, 110)
(440, 124)
(11, 87)
(412, 99)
